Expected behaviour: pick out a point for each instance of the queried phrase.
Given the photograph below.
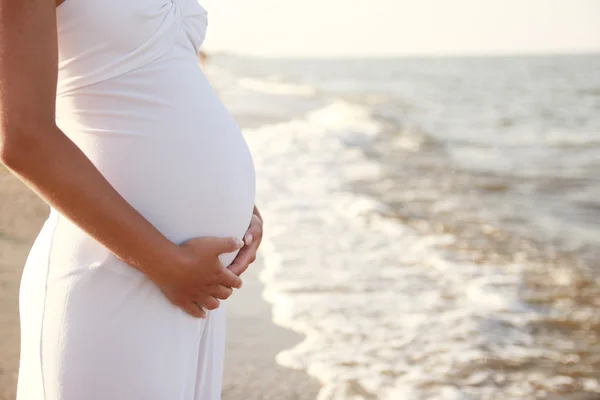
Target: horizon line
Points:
(541, 53)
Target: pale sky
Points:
(400, 27)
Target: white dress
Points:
(132, 96)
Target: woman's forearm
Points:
(60, 173)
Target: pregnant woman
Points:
(105, 113)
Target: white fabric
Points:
(132, 97)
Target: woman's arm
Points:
(35, 150)
(43, 157)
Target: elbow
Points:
(17, 145)
(10, 146)
(7, 151)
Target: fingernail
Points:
(248, 239)
(239, 243)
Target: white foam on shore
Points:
(276, 87)
(387, 312)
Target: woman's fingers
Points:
(202, 280)
(221, 292)
(199, 308)
(210, 303)
(247, 254)
(225, 245)
(195, 310)
(228, 278)
(245, 257)
(254, 232)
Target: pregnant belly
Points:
(163, 139)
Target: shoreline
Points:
(253, 341)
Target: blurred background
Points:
(429, 175)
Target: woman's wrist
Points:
(160, 265)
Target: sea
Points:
(432, 225)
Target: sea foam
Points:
(387, 313)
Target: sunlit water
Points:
(432, 226)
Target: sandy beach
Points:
(252, 341)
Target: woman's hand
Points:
(199, 281)
(252, 240)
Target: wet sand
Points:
(252, 339)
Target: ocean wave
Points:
(388, 312)
(575, 139)
(276, 87)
